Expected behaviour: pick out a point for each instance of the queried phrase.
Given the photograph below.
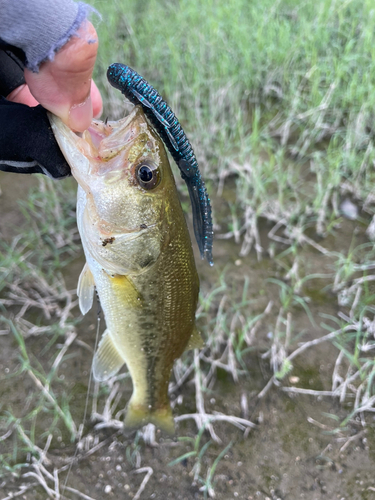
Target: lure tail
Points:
(140, 92)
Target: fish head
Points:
(127, 190)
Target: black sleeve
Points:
(11, 69)
(27, 143)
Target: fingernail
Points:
(80, 115)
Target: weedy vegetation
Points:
(278, 99)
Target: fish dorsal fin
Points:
(107, 360)
(85, 289)
(195, 341)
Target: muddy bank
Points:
(297, 448)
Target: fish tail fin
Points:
(139, 415)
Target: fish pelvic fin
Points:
(85, 289)
(195, 341)
(107, 360)
(139, 415)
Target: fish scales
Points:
(138, 257)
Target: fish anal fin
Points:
(195, 341)
(107, 360)
(125, 288)
(139, 415)
(85, 289)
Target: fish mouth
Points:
(103, 148)
(108, 138)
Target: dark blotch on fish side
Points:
(108, 240)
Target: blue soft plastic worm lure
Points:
(139, 91)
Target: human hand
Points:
(64, 85)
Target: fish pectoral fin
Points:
(195, 341)
(85, 289)
(107, 360)
(126, 290)
(140, 415)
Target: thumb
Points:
(63, 85)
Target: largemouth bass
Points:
(138, 257)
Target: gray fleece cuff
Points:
(40, 27)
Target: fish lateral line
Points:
(138, 91)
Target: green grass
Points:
(260, 84)
(35, 302)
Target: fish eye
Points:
(147, 174)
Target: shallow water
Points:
(297, 449)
